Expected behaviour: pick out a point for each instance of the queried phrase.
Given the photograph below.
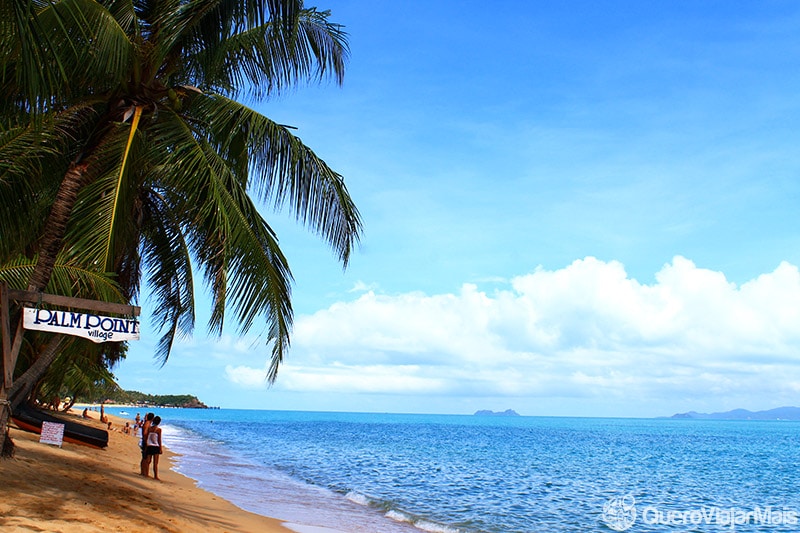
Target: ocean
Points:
(386, 473)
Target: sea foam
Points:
(360, 499)
(431, 527)
(423, 525)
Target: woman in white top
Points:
(153, 446)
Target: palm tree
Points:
(124, 149)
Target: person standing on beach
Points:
(153, 449)
(145, 464)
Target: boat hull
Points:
(31, 419)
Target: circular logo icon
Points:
(619, 513)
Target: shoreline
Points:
(77, 489)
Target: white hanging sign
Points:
(96, 328)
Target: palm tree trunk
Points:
(22, 387)
(54, 230)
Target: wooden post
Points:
(8, 372)
(5, 331)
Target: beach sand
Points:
(78, 489)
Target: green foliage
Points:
(81, 371)
(135, 397)
(119, 121)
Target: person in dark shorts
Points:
(153, 448)
(145, 464)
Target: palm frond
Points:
(236, 249)
(69, 279)
(52, 51)
(88, 42)
(170, 274)
(102, 228)
(81, 369)
(267, 60)
(227, 50)
(30, 77)
(284, 170)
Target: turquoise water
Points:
(444, 473)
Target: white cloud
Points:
(222, 347)
(247, 377)
(381, 379)
(360, 286)
(586, 330)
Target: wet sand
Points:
(78, 489)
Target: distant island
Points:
(124, 397)
(779, 413)
(507, 412)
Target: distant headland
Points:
(507, 412)
(779, 413)
(140, 399)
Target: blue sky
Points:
(570, 208)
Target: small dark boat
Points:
(30, 419)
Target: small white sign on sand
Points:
(52, 433)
